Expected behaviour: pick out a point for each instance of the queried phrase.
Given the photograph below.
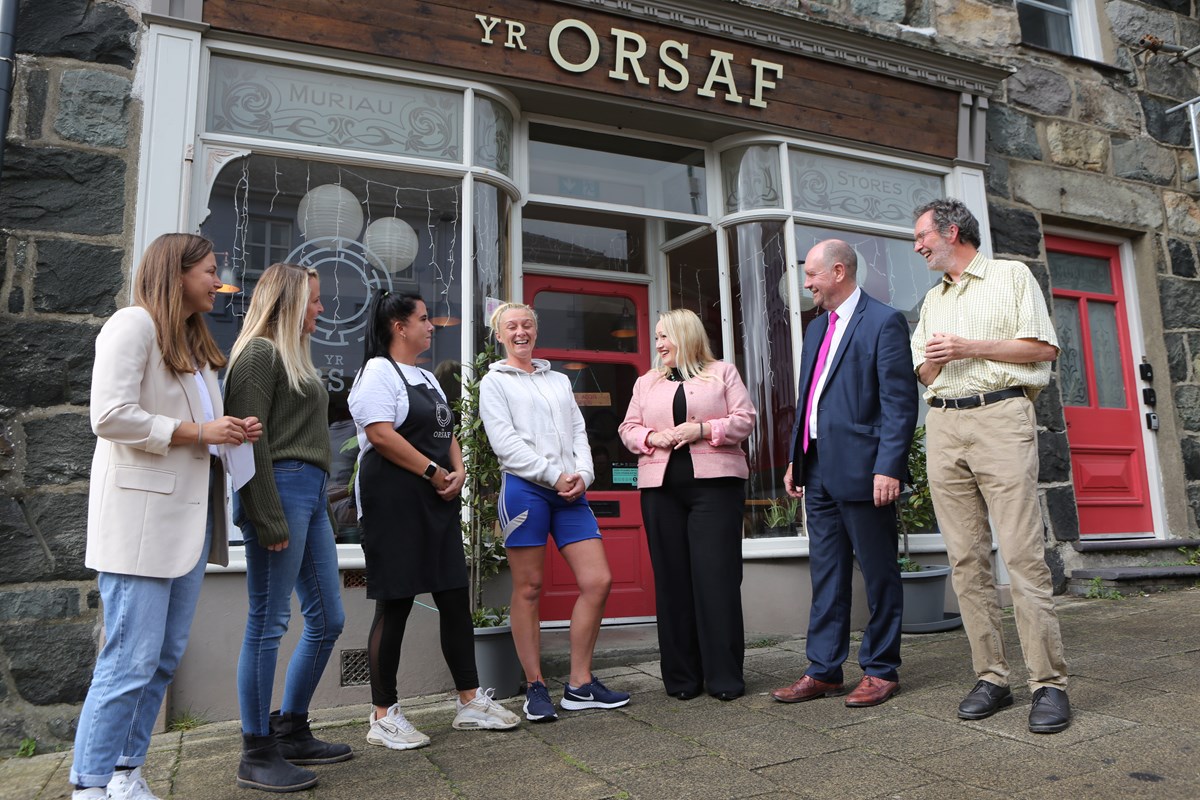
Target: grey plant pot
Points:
(497, 662)
(925, 601)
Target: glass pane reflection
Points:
(564, 237)
(1080, 273)
(602, 392)
(586, 322)
(763, 354)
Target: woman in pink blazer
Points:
(686, 421)
(156, 504)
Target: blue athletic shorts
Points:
(529, 514)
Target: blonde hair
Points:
(185, 341)
(276, 314)
(692, 351)
(504, 308)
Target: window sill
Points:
(1103, 66)
(797, 546)
(350, 556)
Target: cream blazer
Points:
(148, 501)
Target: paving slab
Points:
(1136, 732)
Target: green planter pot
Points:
(497, 662)
(925, 601)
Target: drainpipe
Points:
(8, 49)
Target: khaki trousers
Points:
(984, 461)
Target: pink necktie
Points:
(822, 354)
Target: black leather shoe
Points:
(1051, 711)
(687, 694)
(984, 700)
(725, 697)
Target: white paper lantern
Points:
(330, 210)
(806, 298)
(393, 242)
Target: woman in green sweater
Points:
(283, 514)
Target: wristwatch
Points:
(430, 471)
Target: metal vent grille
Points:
(354, 579)
(355, 669)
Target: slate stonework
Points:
(48, 362)
(1054, 457)
(44, 540)
(57, 287)
(93, 108)
(1064, 517)
(50, 663)
(1183, 258)
(58, 449)
(67, 191)
(1015, 232)
(87, 30)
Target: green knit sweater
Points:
(294, 427)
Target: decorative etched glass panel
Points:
(566, 237)
(1078, 273)
(493, 135)
(1072, 375)
(614, 169)
(750, 178)
(1106, 355)
(858, 190)
(364, 230)
(763, 354)
(272, 101)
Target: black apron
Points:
(412, 538)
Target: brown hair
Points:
(185, 342)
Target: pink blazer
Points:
(723, 403)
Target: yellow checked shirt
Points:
(992, 300)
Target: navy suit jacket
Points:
(868, 409)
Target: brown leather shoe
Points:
(807, 688)
(871, 691)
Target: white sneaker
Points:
(90, 793)
(128, 784)
(484, 713)
(395, 732)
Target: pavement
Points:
(1136, 732)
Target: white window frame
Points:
(1085, 26)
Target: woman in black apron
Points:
(410, 474)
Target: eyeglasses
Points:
(919, 237)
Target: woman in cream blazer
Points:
(686, 421)
(156, 505)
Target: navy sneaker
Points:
(538, 705)
(592, 695)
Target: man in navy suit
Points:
(854, 425)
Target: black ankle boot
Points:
(299, 746)
(263, 767)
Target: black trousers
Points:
(694, 529)
(387, 634)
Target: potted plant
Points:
(495, 655)
(780, 515)
(924, 585)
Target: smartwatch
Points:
(430, 471)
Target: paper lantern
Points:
(806, 298)
(393, 242)
(330, 210)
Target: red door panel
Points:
(597, 333)
(1099, 389)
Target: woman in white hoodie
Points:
(538, 435)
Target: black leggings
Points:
(387, 633)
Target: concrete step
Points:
(1132, 580)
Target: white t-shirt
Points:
(378, 395)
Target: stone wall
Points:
(1089, 145)
(66, 218)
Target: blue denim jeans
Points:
(146, 624)
(309, 566)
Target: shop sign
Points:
(630, 49)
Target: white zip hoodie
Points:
(533, 423)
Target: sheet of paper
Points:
(239, 463)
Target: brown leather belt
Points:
(976, 400)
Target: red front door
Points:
(1099, 390)
(598, 334)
